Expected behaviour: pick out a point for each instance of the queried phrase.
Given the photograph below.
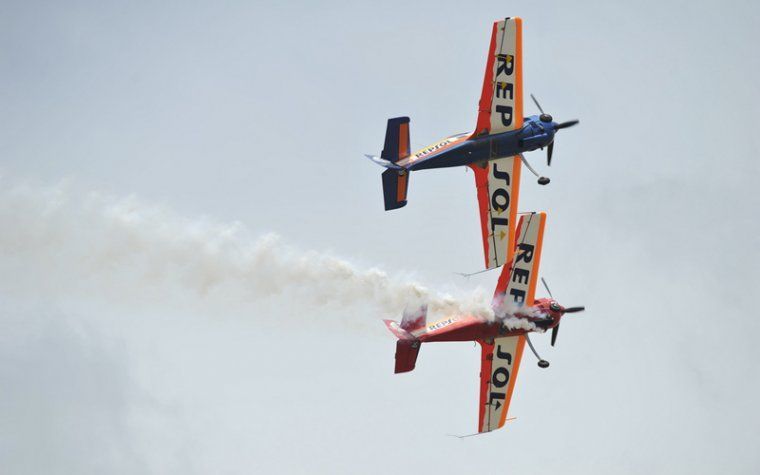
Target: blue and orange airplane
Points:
(494, 150)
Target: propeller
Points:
(546, 286)
(555, 330)
(574, 309)
(549, 151)
(547, 118)
(544, 116)
(566, 124)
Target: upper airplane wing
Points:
(501, 103)
(500, 110)
(500, 358)
(517, 282)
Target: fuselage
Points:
(544, 314)
(465, 149)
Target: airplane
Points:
(494, 150)
(517, 314)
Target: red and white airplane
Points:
(502, 339)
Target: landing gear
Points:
(542, 363)
(542, 180)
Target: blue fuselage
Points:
(534, 134)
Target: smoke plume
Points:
(68, 242)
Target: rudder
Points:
(396, 139)
(395, 185)
(406, 355)
(396, 147)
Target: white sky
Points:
(259, 113)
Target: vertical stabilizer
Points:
(414, 318)
(397, 142)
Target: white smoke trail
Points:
(514, 323)
(93, 243)
(505, 313)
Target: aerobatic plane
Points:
(502, 339)
(494, 150)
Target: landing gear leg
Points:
(542, 363)
(542, 180)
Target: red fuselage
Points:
(544, 314)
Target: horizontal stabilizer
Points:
(406, 355)
(396, 329)
(383, 162)
(395, 184)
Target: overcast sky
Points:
(146, 148)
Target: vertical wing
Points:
(498, 186)
(501, 102)
(500, 359)
(500, 110)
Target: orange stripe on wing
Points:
(486, 95)
(481, 184)
(518, 73)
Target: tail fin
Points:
(414, 318)
(407, 346)
(396, 147)
(396, 140)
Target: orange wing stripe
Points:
(518, 73)
(484, 106)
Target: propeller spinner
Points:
(557, 308)
(547, 118)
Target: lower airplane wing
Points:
(500, 359)
(498, 186)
